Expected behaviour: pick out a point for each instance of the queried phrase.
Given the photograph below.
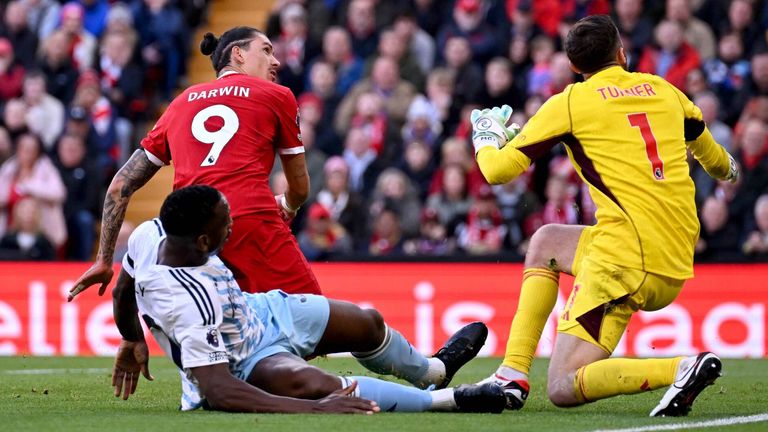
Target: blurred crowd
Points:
(385, 89)
(78, 82)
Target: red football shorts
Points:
(263, 255)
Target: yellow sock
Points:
(618, 376)
(538, 295)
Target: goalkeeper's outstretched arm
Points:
(502, 166)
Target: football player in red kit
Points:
(225, 134)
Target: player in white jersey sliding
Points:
(245, 352)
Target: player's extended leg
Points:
(384, 350)
(580, 370)
(285, 374)
(552, 250)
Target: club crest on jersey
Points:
(212, 337)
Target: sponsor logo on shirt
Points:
(212, 337)
(217, 356)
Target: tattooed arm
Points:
(132, 176)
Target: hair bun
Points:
(208, 44)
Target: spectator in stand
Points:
(695, 83)
(430, 15)
(422, 123)
(344, 205)
(561, 72)
(293, 47)
(337, 51)
(31, 174)
(120, 20)
(394, 189)
(484, 232)
(469, 22)
(323, 238)
(467, 76)
(727, 72)
(548, 14)
(741, 21)
(500, 85)
(673, 58)
(439, 93)
(15, 118)
(164, 39)
(710, 110)
(314, 159)
(517, 204)
(95, 16)
(451, 202)
(83, 205)
(393, 46)
(6, 145)
(322, 91)
(81, 44)
(11, 72)
(55, 62)
(417, 163)
(361, 24)
(361, 159)
(719, 239)
(755, 85)
(386, 81)
(635, 27)
(539, 78)
(370, 116)
(42, 16)
(455, 151)
(387, 237)
(757, 108)
(420, 44)
(524, 27)
(45, 113)
(697, 33)
(560, 207)
(756, 243)
(102, 134)
(122, 82)
(753, 160)
(16, 29)
(26, 241)
(432, 239)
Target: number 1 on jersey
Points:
(640, 121)
(219, 138)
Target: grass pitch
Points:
(62, 394)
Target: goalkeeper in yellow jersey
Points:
(627, 135)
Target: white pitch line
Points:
(728, 421)
(53, 371)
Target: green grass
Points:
(72, 398)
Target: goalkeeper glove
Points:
(733, 170)
(489, 127)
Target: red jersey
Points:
(225, 134)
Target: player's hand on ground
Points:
(286, 212)
(342, 402)
(489, 127)
(733, 170)
(99, 273)
(131, 360)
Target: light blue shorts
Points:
(293, 323)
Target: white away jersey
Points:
(198, 315)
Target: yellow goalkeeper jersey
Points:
(626, 134)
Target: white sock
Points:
(509, 374)
(435, 373)
(442, 400)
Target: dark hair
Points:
(186, 211)
(592, 43)
(220, 49)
